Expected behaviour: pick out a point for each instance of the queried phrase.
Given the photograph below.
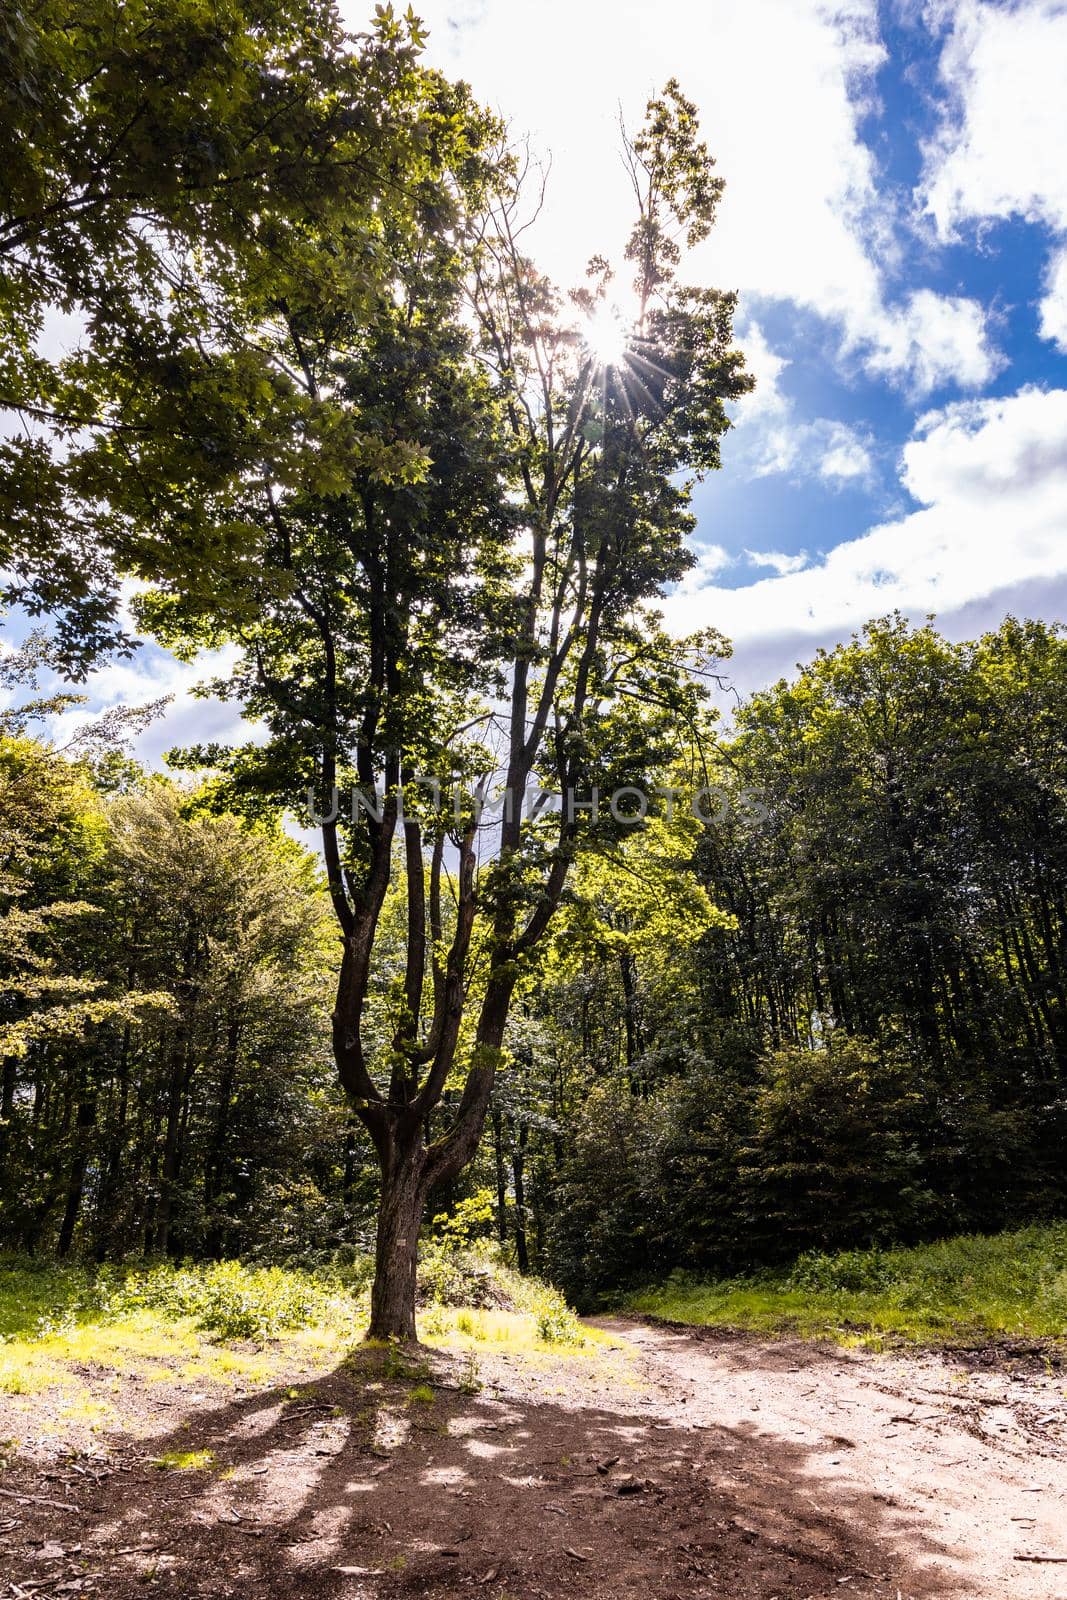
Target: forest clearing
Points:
(146, 1454)
(533, 800)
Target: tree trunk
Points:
(7, 1106)
(215, 1166)
(180, 1073)
(76, 1175)
(518, 1163)
(501, 1180)
(392, 1305)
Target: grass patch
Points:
(78, 1334)
(184, 1461)
(1004, 1286)
(513, 1332)
(476, 1299)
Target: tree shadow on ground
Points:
(386, 1479)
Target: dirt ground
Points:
(672, 1466)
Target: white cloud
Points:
(832, 451)
(777, 560)
(1054, 305)
(977, 452)
(846, 456)
(781, 86)
(1000, 150)
(769, 437)
(766, 366)
(992, 479)
(150, 675)
(937, 339)
(711, 559)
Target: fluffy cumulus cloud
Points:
(782, 86)
(711, 559)
(999, 151)
(770, 438)
(153, 674)
(778, 561)
(832, 451)
(937, 339)
(990, 477)
(1054, 305)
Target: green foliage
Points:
(137, 135)
(184, 1461)
(556, 1322)
(189, 1033)
(227, 1299)
(455, 1273)
(40, 1296)
(1009, 1285)
(232, 1301)
(467, 1219)
(834, 1153)
(866, 1043)
(452, 1274)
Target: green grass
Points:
(223, 1299)
(77, 1332)
(35, 1297)
(184, 1461)
(1006, 1286)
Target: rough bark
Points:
(399, 1219)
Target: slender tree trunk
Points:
(181, 1072)
(76, 1176)
(8, 1078)
(501, 1180)
(215, 1167)
(152, 1204)
(518, 1164)
(109, 1181)
(627, 972)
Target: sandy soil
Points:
(673, 1467)
(959, 1471)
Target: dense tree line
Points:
(319, 407)
(165, 1082)
(865, 1040)
(830, 1013)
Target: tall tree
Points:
(369, 539)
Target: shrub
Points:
(231, 1301)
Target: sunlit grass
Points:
(77, 1340)
(512, 1332)
(971, 1288)
(86, 1352)
(184, 1461)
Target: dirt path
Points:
(671, 1467)
(962, 1470)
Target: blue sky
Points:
(895, 221)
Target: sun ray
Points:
(606, 337)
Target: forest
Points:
(827, 1018)
(504, 976)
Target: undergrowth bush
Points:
(231, 1301)
(225, 1299)
(476, 1276)
(974, 1285)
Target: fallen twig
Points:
(38, 1500)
